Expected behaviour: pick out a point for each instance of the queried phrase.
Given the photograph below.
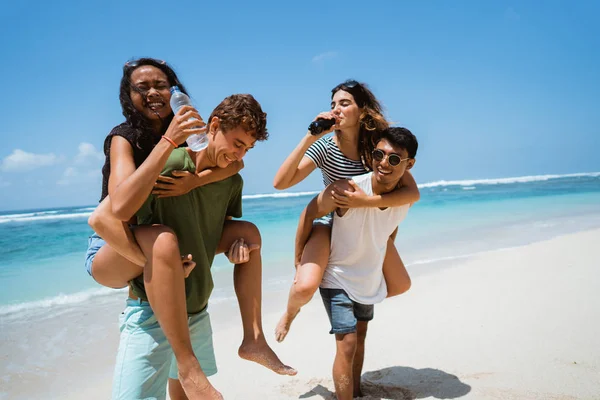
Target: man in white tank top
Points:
(353, 280)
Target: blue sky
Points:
(491, 89)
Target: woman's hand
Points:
(188, 265)
(325, 115)
(181, 126)
(180, 183)
(239, 252)
(349, 195)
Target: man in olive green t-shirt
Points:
(201, 222)
(197, 218)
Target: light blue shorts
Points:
(95, 243)
(145, 359)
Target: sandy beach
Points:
(519, 323)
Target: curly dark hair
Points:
(242, 110)
(135, 119)
(372, 120)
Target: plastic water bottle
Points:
(179, 99)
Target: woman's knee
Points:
(307, 284)
(399, 287)
(160, 240)
(249, 232)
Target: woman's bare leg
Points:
(396, 277)
(116, 233)
(247, 280)
(309, 274)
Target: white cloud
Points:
(320, 58)
(21, 160)
(80, 176)
(88, 154)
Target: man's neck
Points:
(380, 188)
(203, 160)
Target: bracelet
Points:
(170, 141)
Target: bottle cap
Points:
(174, 89)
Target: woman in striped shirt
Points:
(347, 153)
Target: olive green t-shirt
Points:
(197, 218)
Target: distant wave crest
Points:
(500, 181)
(40, 216)
(279, 195)
(59, 300)
(467, 184)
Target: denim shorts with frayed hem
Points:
(344, 313)
(145, 360)
(95, 243)
(326, 220)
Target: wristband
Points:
(170, 141)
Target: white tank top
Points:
(358, 246)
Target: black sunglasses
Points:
(355, 89)
(135, 63)
(392, 158)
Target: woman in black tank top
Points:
(136, 152)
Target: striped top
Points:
(333, 163)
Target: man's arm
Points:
(407, 192)
(183, 181)
(319, 206)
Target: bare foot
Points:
(283, 326)
(198, 387)
(260, 352)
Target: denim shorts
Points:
(145, 360)
(326, 220)
(344, 313)
(95, 242)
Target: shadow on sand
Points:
(402, 383)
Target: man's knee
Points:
(361, 333)
(346, 344)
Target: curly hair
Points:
(242, 110)
(135, 119)
(372, 121)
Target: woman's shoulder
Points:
(323, 144)
(124, 130)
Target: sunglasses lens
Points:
(378, 155)
(393, 159)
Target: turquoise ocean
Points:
(42, 251)
(59, 328)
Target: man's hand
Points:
(181, 183)
(349, 196)
(239, 252)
